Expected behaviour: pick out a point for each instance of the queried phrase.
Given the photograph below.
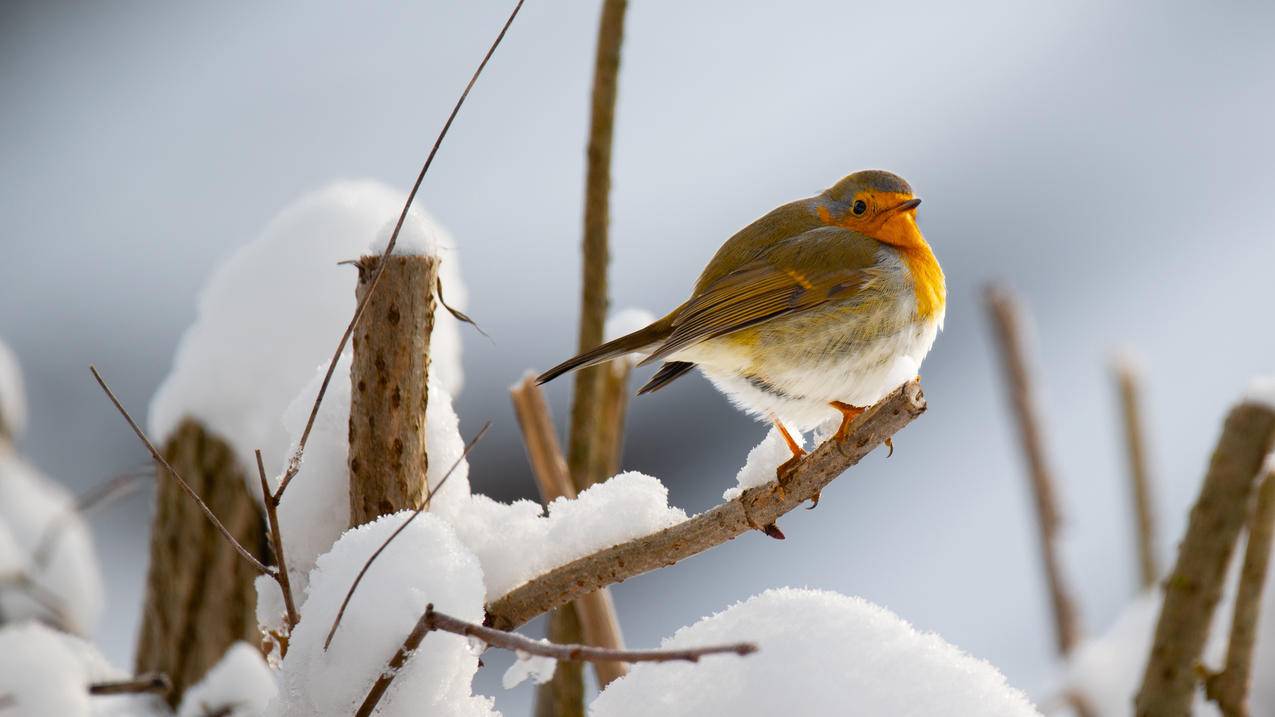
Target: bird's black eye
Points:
(860, 207)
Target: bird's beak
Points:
(906, 206)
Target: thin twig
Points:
(294, 462)
(1230, 687)
(95, 497)
(336, 622)
(1193, 589)
(1139, 475)
(753, 510)
(151, 683)
(159, 458)
(276, 545)
(44, 597)
(432, 620)
(1007, 318)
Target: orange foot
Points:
(848, 414)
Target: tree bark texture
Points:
(1192, 590)
(200, 596)
(389, 377)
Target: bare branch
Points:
(294, 462)
(599, 625)
(340, 613)
(1139, 475)
(1007, 318)
(755, 508)
(1193, 589)
(52, 603)
(95, 497)
(432, 620)
(276, 544)
(1230, 687)
(159, 458)
(156, 683)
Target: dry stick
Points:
(159, 458)
(294, 462)
(1127, 380)
(276, 544)
(1229, 688)
(142, 684)
(1007, 318)
(613, 401)
(755, 508)
(432, 620)
(599, 623)
(593, 293)
(388, 456)
(93, 498)
(1193, 589)
(564, 696)
(336, 622)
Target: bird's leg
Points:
(784, 473)
(848, 414)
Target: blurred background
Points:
(1110, 161)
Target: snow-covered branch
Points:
(754, 508)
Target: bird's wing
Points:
(835, 263)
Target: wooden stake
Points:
(595, 612)
(389, 376)
(200, 596)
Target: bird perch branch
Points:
(755, 508)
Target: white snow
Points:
(762, 462)
(515, 542)
(425, 564)
(821, 654)
(315, 509)
(13, 401)
(1262, 390)
(240, 682)
(626, 321)
(539, 669)
(275, 309)
(43, 672)
(30, 504)
(420, 236)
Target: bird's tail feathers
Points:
(640, 341)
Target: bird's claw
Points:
(814, 501)
(889, 443)
(773, 531)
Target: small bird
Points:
(818, 308)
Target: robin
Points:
(817, 309)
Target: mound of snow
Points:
(425, 564)
(239, 685)
(516, 542)
(35, 511)
(275, 310)
(821, 654)
(46, 672)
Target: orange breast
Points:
(927, 279)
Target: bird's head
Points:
(874, 203)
